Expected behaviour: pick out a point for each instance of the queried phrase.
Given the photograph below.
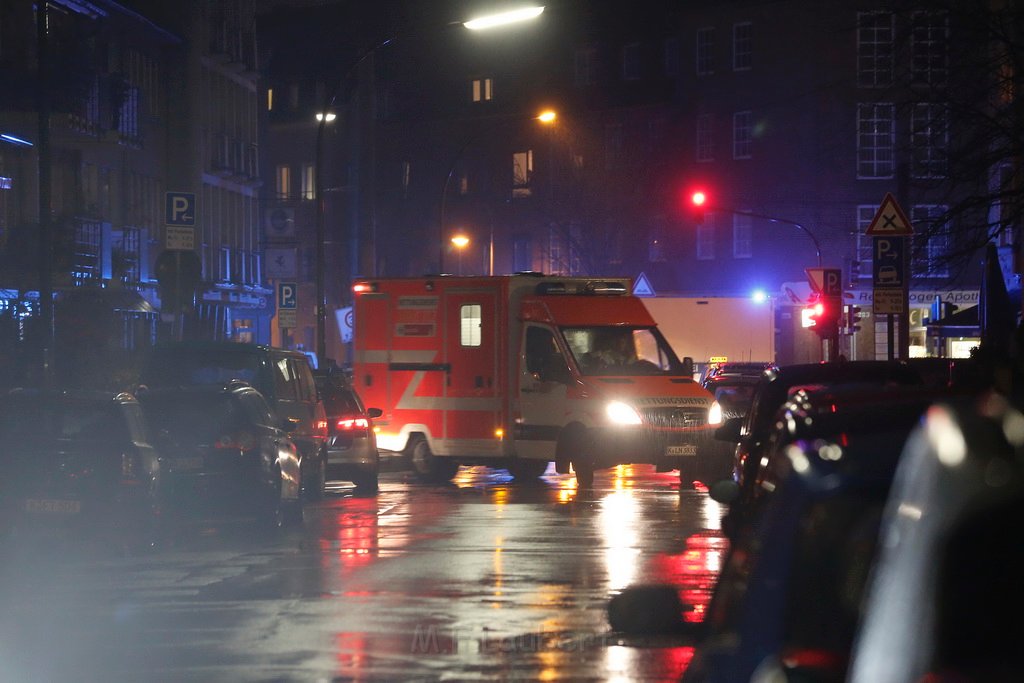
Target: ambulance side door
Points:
(543, 384)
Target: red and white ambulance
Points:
(520, 370)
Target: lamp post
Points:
(476, 24)
(460, 242)
(699, 198)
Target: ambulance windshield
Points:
(613, 350)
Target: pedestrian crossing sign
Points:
(642, 286)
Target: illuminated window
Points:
(483, 90)
(283, 179)
(522, 172)
(742, 46)
(308, 181)
(270, 99)
(470, 317)
(705, 51)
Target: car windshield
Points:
(340, 401)
(182, 367)
(614, 350)
(204, 416)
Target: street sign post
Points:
(827, 284)
(890, 265)
(287, 305)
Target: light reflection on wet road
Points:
(483, 579)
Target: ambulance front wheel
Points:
(428, 466)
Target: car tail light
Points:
(131, 468)
(351, 425)
(321, 427)
(243, 441)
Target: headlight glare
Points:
(715, 414)
(622, 414)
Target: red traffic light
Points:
(696, 204)
(698, 198)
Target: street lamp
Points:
(460, 242)
(476, 24)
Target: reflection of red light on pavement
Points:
(694, 571)
(700, 487)
(351, 650)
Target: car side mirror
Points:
(374, 413)
(688, 366)
(730, 430)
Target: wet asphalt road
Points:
(482, 579)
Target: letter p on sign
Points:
(180, 208)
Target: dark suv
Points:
(283, 377)
(223, 452)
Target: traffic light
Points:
(822, 315)
(852, 318)
(696, 205)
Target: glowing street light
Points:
(503, 18)
(460, 242)
(547, 117)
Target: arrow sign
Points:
(889, 220)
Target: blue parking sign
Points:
(180, 208)
(287, 295)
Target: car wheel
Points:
(313, 483)
(576, 445)
(527, 470)
(686, 476)
(366, 482)
(428, 466)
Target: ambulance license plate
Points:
(688, 449)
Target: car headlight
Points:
(620, 413)
(715, 413)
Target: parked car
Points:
(786, 604)
(742, 368)
(749, 434)
(945, 600)
(734, 394)
(224, 452)
(283, 377)
(78, 464)
(352, 453)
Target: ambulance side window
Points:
(470, 321)
(543, 359)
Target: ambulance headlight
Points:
(715, 414)
(620, 413)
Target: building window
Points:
(874, 49)
(483, 90)
(876, 139)
(929, 56)
(127, 113)
(742, 46)
(671, 57)
(308, 181)
(612, 145)
(470, 317)
(585, 66)
(705, 51)
(931, 248)
(270, 99)
(1001, 213)
(522, 253)
(283, 182)
(522, 172)
(865, 244)
(706, 240)
(705, 138)
(631, 62)
(930, 140)
(742, 236)
(742, 135)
